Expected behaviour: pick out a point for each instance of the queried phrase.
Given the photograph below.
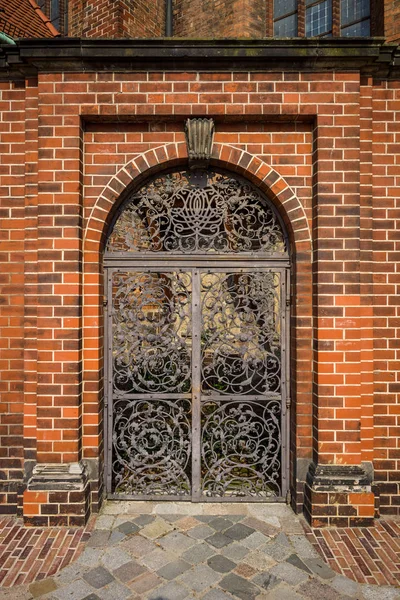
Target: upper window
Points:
(321, 18)
(57, 11)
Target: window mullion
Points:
(301, 18)
(335, 18)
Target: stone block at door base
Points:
(57, 495)
(339, 496)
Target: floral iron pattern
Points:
(186, 213)
(241, 349)
(151, 317)
(241, 449)
(152, 447)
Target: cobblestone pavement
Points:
(148, 551)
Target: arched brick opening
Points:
(274, 186)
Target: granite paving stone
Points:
(205, 518)
(200, 578)
(245, 570)
(235, 551)
(318, 566)
(173, 569)
(289, 573)
(201, 532)
(145, 582)
(239, 587)
(177, 542)
(219, 540)
(98, 577)
(313, 588)
(266, 580)
(216, 595)
(277, 550)
(98, 538)
(115, 557)
(90, 557)
(74, 591)
(104, 522)
(296, 561)
(129, 571)
(39, 588)
(138, 546)
(303, 547)
(170, 591)
(116, 536)
(282, 592)
(259, 560)
(221, 564)
(156, 529)
(143, 520)
(198, 554)
(346, 586)
(384, 592)
(128, 527)
(72, 572)
(114, 591)
(220, 523)
(238, 532)
(261, 526)
(186, 523)
(156, 559)
(255, 540)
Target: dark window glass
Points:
(361, 29)
(286, 27)
(284, 7)
(318, 18)
(55, 13)
(353, 10)
(354, 18)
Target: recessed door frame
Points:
(164, 262)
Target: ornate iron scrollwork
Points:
(152, 447)
(241, 449)
(197, 341)
(176, 213)
(151, 328)
(241, 345)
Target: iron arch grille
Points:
(197, 363)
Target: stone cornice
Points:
(370, 56)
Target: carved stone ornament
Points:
(199, 139)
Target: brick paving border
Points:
(30, 554)
(365, 554)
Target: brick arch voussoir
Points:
(272, 184)
(142, 166)
(234, 159)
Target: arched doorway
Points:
(197, 269)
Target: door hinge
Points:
(288, 497)
(288, 301)
(288, 402)
(105, 301)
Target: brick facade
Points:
(320, 137)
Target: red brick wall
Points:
(12, 201)
(335, 179)
(391, 19)
(116, 18)
(386, 278)
(220, 18)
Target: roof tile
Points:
(24, 19)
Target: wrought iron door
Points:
(197, 349)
